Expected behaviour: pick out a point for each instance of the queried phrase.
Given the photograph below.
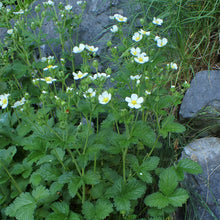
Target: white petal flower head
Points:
(49, 2)
(4, 100)
(79, 75)
(134, 101)
(89, 93)
(136, 77)
(79, 49)
(141, 59)
(68, 7)
(156, 38)
(48, 80)
(104, 98)
(173, 66)
(162, 42)
(135, 51)
(20, 12)
(157, 21)
(137, 37)
(147, 33)
(68, 89)
(120, 18)
(147, 92)
(19, 103)
(92, 48)
(114, 28)
(49, 67)
(10, 31)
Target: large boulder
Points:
(204, 202)
(201, 103)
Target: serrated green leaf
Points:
(190, 166)
(35, 179)
(110, 174)
(98, 190)
(40, 193)
(6, 155)
(157, 200)
(48, 172)
(100, 210)
(59, 153)
(74, 185)
(66, 177)
(22, 208)
(145, 176)
(122, 204)
(168, 181)
(74, 216)
(168, 125)
(45, 159)
(144, 133)
(178, 198)
(60, 207)
(55, 187)
(91, 178)
(149, 164)
(57, 216)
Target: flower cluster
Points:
(4, 100)
(119, 18)
(81, 47)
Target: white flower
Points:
(1, 5)
(114, 28)
(141, 58)
(18, 103)
(49, 2)
(157, 21)
(104, 98)
(89, 93)
(4, 100)
(173, 66)
(68, 89)
(161, 42)
(20, 12)
(134, 101)
(135, 51)
(79, 75)
(146, 77)
(79, 49)
(172, 86)
(147, 92)
(137, 37)
(49, 67)
(91, 48)
(50, 58)
(79, 2)
(136, 77)
(120, 18)
(99, 75)
(10, 31)
(156, 38)
(48, 80)
(43, 59)
(57, 98)
(44, 92)
(147, 33)
(68, 7)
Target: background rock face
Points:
(201, 102)
(205, 186)
(204, 91)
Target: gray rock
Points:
(201, 102)
(204, 202)
(204, 90)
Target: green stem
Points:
(11, 177)
(74, 161)
(124, 154)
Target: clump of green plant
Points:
(82, 150)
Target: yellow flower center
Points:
(105, 100)
(80, 75)
(50, 66)
(140, 59)
(47, 79)
(135, 52)
(4, 101)
(137, 38)
(121, 19)
(133, 102)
